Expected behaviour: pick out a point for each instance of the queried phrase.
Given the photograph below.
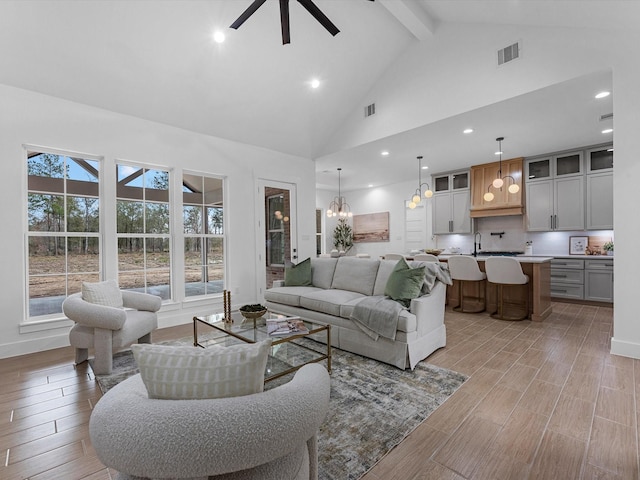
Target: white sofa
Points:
(338, 284)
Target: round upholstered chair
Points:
(506, 272)
(471, 284)
(425, 257)
(271, 435)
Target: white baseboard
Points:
(35, 345)
(625, 349)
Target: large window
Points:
(203, 216)
(63, 218)
(143, 230)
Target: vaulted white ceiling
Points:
(156, 60)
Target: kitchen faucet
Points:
(476, 244)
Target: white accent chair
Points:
(270, 435)
(106, 328)
(425, 257)
(507, 272)
(466, 272)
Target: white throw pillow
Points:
(182, 373)
(102, 293)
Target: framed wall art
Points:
(578, 245)
(371, 227)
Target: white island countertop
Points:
(520, 258)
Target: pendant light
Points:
(499, 181)
(417, 196)
(339, 205)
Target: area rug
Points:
(373, 407)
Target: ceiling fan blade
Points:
(319, 16)
(284, 21)
(247, 13)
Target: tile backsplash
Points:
(515, 237)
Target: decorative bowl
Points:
(434, 251)
(252, 315)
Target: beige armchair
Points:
(105, 328)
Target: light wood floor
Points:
(544, 401)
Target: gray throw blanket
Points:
(377, 316)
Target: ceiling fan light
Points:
(428, 193)
(497, 183)
(488, 197)
(514, 188)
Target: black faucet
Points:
(476, 245)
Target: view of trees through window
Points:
(63, 213)
(143, 230)
(203, 216)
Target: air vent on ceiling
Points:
(369, 110)
(606, 116)
(509, 53)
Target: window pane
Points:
(158, 252)
(74, 282)
(192, 251)
(194, 283)
(129, 217)
(83, 255)
(159, 282)
(156, 179)
(83, 170)
(83, 214)
(131, 280)
(45, 165)
(215, 223)
(46, 294)
(45, 212)
(130, 253)
(215, 251)
(192, 218)
(275, 248)
(157, 217)
(46, 255)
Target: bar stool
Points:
(425, 257)
(465, 270)
(507, 272)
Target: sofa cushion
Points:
(328, 301)
(355, 274)
(298, 275)
(187, 373)
(322, 271)
(384, 271)
(288, 295)
(405, 282)
(102, 293)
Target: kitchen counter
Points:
(538, 269)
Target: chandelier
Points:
(339, 205)
(499, 181)
(417, 196)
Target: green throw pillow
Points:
(404, 283)
(298, 275)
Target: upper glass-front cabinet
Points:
(563, 165)
(600, 159)
(452, 181)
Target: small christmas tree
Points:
(343, 236)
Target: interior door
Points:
(277, 236)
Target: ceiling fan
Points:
(284, 17)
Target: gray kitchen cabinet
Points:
(451, 203)
(598, 280)
(556, 204)
(600, 201)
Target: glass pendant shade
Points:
(498, 182)
(514, 188)
(428, 194)
(416, 198)
(488, 197)
(417, 195)
(412, 205)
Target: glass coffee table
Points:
(289, 351)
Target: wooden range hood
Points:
(504, 203)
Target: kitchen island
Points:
(539, 271)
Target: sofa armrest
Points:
(278, 283)
(141, 301)
(429, 308)
(92, 315)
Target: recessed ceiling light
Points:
(218, 37)
(425, 168)
(384, 153)
(370, 185)
(315, 83)
(607, 130)
(499, 153)
(468, 130)
(603, 94)
(609, 149)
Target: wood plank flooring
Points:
(543, 401)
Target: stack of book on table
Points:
(283, 325)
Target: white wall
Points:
(30, 118)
